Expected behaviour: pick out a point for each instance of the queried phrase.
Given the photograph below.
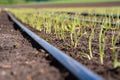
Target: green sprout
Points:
(85, 55)
(60, 24)
(101, 44)
(17, 44)
(90, 42)
(114, 53)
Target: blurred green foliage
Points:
(26, 1)
(11, 1)
(18, 1)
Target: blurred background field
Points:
(7, 2)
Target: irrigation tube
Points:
(92, 14)
(89, 21)
(76, 68)
(94, 21)
(97, 14)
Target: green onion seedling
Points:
(101, 44)
(90, 42)
(114, 53)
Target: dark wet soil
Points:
(18, 63)
(106, 70)
(22, 59)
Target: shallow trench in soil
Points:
(23, 59)
(106, 70)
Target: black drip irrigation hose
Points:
(97, 14)
(76, 68)
(89, 21)
(94, 21)
(92, 14)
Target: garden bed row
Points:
(21, 58)
(98, 45)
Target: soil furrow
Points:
(105, 70)
(22, 59)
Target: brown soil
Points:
(97, 4)
(22, 59)
(106, 70)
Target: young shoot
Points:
(62, 31)
(74, 32)
(85, 55)
(76, 38)
(90, 42)
(101, 44)
(71, 29)
(49, 25)
(114, 52)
